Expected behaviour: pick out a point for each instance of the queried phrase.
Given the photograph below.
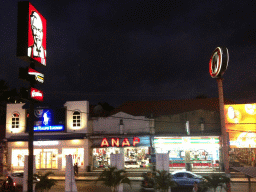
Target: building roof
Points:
(168, 107)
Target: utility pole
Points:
(217, 66)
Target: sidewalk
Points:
(92, 178)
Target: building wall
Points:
(83, 108)
(131, 124)
(12, 108)
(175, 124)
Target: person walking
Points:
(76, 169)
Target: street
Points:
(90, 186)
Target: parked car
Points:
(186, 178)
(17, 178)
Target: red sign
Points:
(218, 62)
(39, 77)
(115, 142)
(31, 37)
(36, 94)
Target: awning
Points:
(249, 171)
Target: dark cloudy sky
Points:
(118, 50)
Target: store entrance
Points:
(46, 160)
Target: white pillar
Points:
(70, 183)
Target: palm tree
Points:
(45, 184)
(163, 180)
(215, 181)
(112, 177)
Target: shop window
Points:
(76, 119)
(15, 120)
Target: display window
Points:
(77, 156)
(45, 158)
(18, 157)
(134, 157)
(203, 152)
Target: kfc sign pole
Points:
(217, 66)
(31, 47)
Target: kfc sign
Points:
(39, 77)
(115, 142)
(36, 94)
(31, 37)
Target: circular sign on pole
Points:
(218, 62)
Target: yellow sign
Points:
(240, 117)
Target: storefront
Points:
(49, 155)
(241, 124)
(135, 150)
(203, 151)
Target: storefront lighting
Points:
(76, 141)
(40, 143)
(19, 143)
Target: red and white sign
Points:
(218, 62)
(115, 142)
(36, 94)
(38, 76)
(31, 37)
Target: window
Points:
(76, 119)
(179, 175)
(15, 120)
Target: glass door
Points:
(46, 160)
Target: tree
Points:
(215, 181)
(45, 184)
(112, 177)
(163, 180)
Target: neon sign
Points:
(115, 142)
(49, 128)
(36, 94)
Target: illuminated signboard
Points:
(186, 140)
(242, 139)
(240, 117)
(36, 94)
(39, 77)
(44, 121)
(31, 34)
(115, 142)
(49, 128)
(218, 62)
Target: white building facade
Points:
(54, 136)
(121, 133)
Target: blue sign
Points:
(49, 128)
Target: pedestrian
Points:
(195, 188)
(76, 169)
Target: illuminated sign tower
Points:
(31, 47)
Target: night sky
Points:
(119, 50)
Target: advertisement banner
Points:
(240, 117)
(31, 34)
(36, 94)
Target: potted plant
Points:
(163, 181)
(112, 177)
(44, 183)
(215, 181)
